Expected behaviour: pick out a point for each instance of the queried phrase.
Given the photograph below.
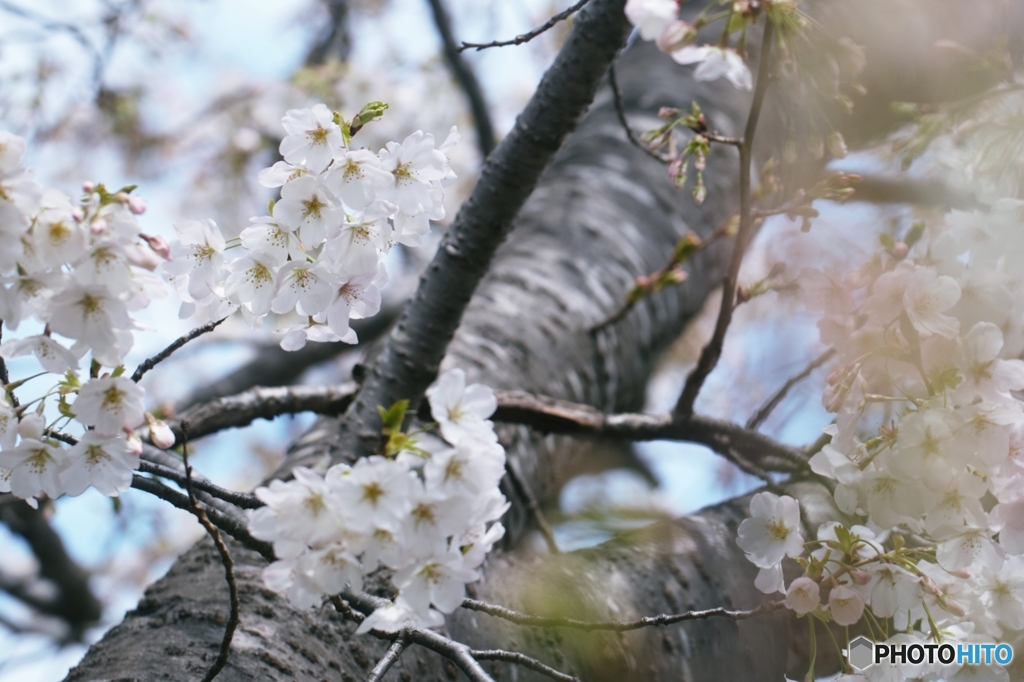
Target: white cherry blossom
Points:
(461, 410)
(104, 462)
(110, 405)
(313, 137)
(773, 531)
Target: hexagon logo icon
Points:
(861, 653)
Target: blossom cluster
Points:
(430, 513)
(318, 255)
(658, 20)
(926, 447)
(73, 272)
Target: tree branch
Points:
(758, 417)
(616, 625)
(152, 362)
(390, 657)
(233, 527)
(466, 78)
(713, 350)
(411, 356)
(530, 35)
(261, 403)
(229, 569)
(523, 660)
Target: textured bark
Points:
(603, 213)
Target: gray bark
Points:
(602, 214)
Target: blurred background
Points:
(184, 98)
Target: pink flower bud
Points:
(961, 573)
(159, 432)
(955, 608)
(929, 586)
(78, 214)
(159, 245)
(121, 197)
(134, 442)
(136, 205)
(860, 576)
(667, 112)
(98, 226)
(88, 186)
(900, 250)
(676, 36)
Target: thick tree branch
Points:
(412, 354)
(76, 604)
(261, 403)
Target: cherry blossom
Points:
(110, 405)
(773, 531)
(313, 137)
(714, 63)
(803, 595)
(461, 410)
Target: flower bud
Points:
(88, 186)
(860, 576)
(837, 146)
(136, 205)
(133, 441)
(121, 197)
(676, 36)
(667, 113)
(159, 245)
(159, 432)
(98, 226)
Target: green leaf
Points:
(65, 407)
(393, 417)
(118, 371)
(915, 233)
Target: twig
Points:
(166, 352)
(559, 416)
(262, 403)
(454, 651)
(527, 37)
(758, 417)
(613, 82)
(523, 660)
(678, 257)
(713, 350)
(233, 527)
(225, 557)
(512, 468)
(466, 78)
(390, 657)
(616, 625)
(240, 500)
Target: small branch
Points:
(523, 660)
(262, 403)
(466, 78)
(233, 527)
(274, 366)
(390, 657)
(166, 352)
(616, 625)
(348, 603)
(758, 417)
(713, 350)
(240, 500)
(725, 438)
(613, 81)
(527, 37)
(512, 468)
(657, 276)
(225, 557)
